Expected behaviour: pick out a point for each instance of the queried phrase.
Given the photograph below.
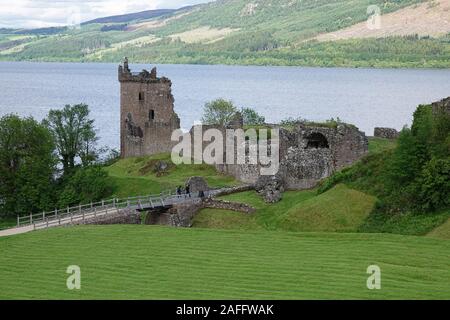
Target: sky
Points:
(49, 13)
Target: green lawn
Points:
(147, 262)
(136, 176)
(339, 209)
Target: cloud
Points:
(50, 13)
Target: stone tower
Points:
(147, 117)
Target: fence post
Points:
(79, 208)
(43, 216)
(56, 213)
(128, 202)
(18, 221)
(114, 202)
(47, 222)
(95, 212)
(103, 203)
(31, 218)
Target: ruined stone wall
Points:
(443, 105)
(147, 117)
(386, 133)
(308, 154)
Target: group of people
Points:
(187, 192)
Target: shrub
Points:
(86, 185)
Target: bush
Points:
(434, 185)
(86, 185)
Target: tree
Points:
(27, 165)
(74, 134)
(86, 185)
(218, 112)
(251, 117)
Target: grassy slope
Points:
(340, 209)
(143, 262)
(443, 231)
(130, 180)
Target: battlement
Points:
(125, 75)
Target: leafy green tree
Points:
(86, 185)
(251, 117)
(218, 112)
(27, 166)
(434, 185)
(74, 135)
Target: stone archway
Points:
(317, 140)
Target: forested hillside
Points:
(262, 32)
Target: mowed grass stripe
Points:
(141, 262)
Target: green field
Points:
(146, 262)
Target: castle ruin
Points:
(147, 116)
(308, 153)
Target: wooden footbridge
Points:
(77, 214)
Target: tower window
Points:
(151, 115)
(141, 96)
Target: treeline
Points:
(52, 164)
(263, 49)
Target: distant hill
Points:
(149, 14)
(259, 32)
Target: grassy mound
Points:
(339, 209)
(140, 176)
(442, 232)
(145, 262)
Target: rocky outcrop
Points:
(271, 188)
(197, 184)
(386, 133)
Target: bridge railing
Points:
(69, 214)
(79, 210)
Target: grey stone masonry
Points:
(386, 133)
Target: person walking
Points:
(179, 192)
(188, 191)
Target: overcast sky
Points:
(48, 13)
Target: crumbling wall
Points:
(443, 105)
(386, 133)
(308, 154)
